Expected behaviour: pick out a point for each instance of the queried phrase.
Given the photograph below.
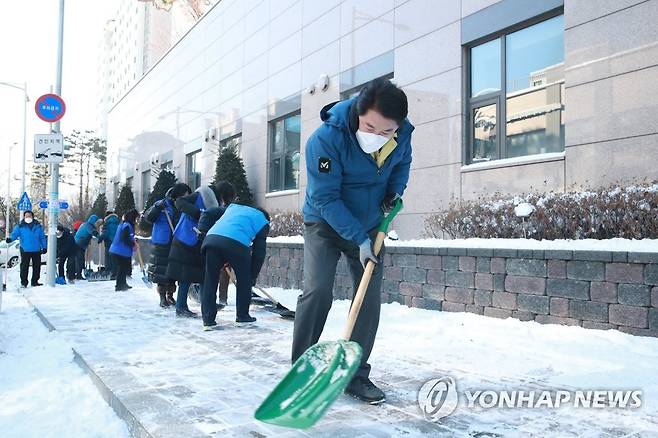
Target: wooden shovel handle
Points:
(171, 225)
(139, 255)
(363, 286)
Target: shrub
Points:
(627, 212)
(286, 223)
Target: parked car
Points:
(14, 254)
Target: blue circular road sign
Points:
(50, 108)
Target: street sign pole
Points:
(53, 210)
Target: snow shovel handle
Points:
(139, 255)
(367, 273)
(171, 225)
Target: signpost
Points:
(24, 203)
(50, 108)
(48, 148)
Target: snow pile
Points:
(43, 393)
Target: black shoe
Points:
(37, 284)
(185, 313)
(220, 306)
(24, 286)
(363, 389)
(121, 288)
(170, 299)
(163, 302)
(207, 326)
(245, 319)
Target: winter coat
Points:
(65, 244)
(124, 240)
(110, 225)
(161, 240)
(86, 231)
(31, 236)
(185, 260)
(345, 185)
(240, 223)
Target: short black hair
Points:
(131, 216)
(178, 190)
(384, 97)
(225, 191)
(28, 211)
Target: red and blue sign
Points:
(50, 108)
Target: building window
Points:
(168, 166)
(346, 94)
(235, 142)
(519, 75)
(284, 153)
(193, 166)
(146, 185)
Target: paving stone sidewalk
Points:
(179, 381)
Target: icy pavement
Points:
(43, 393)
(181, 381)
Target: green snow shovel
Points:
(321, 374)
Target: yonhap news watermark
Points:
(440, 397)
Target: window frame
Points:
(222, 144)
(270, 142)
(187, 169)
(470, 104)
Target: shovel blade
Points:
(316, 379)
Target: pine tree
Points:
(165, 181)
(231, 168)
(100, 206)
(125, 202)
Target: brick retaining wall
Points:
(592, 289)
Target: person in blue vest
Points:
(122, 249)
(161, 216)
(66, 251)
(83, 236)
(236, 235)
(185, 263)
(108, 230)
(357, 165)
(33, 243)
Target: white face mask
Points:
(28, 220)
(370, 142)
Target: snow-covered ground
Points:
(172, 375)
(644, 245)
(43, 393)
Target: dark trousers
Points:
(26, 258)
(109, 261)
(239, 257)
(79, 261)
(322, 249)
(124, 267)
(70, 263)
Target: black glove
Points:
(8, 240)
(160, 204)
(43, 251)
(389, 202)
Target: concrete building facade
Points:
(576, 81)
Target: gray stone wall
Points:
(592, 289)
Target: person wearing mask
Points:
(83, 236)
(357, 165)
(237, 235)
(33, 243)
(66, 251)
(108, 230)
(122, 249)
(185, 261)
(161, 216)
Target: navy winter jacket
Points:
(31, 236)
(345, 185)
(65, 244)
(86, 231)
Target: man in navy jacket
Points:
(357, 164)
